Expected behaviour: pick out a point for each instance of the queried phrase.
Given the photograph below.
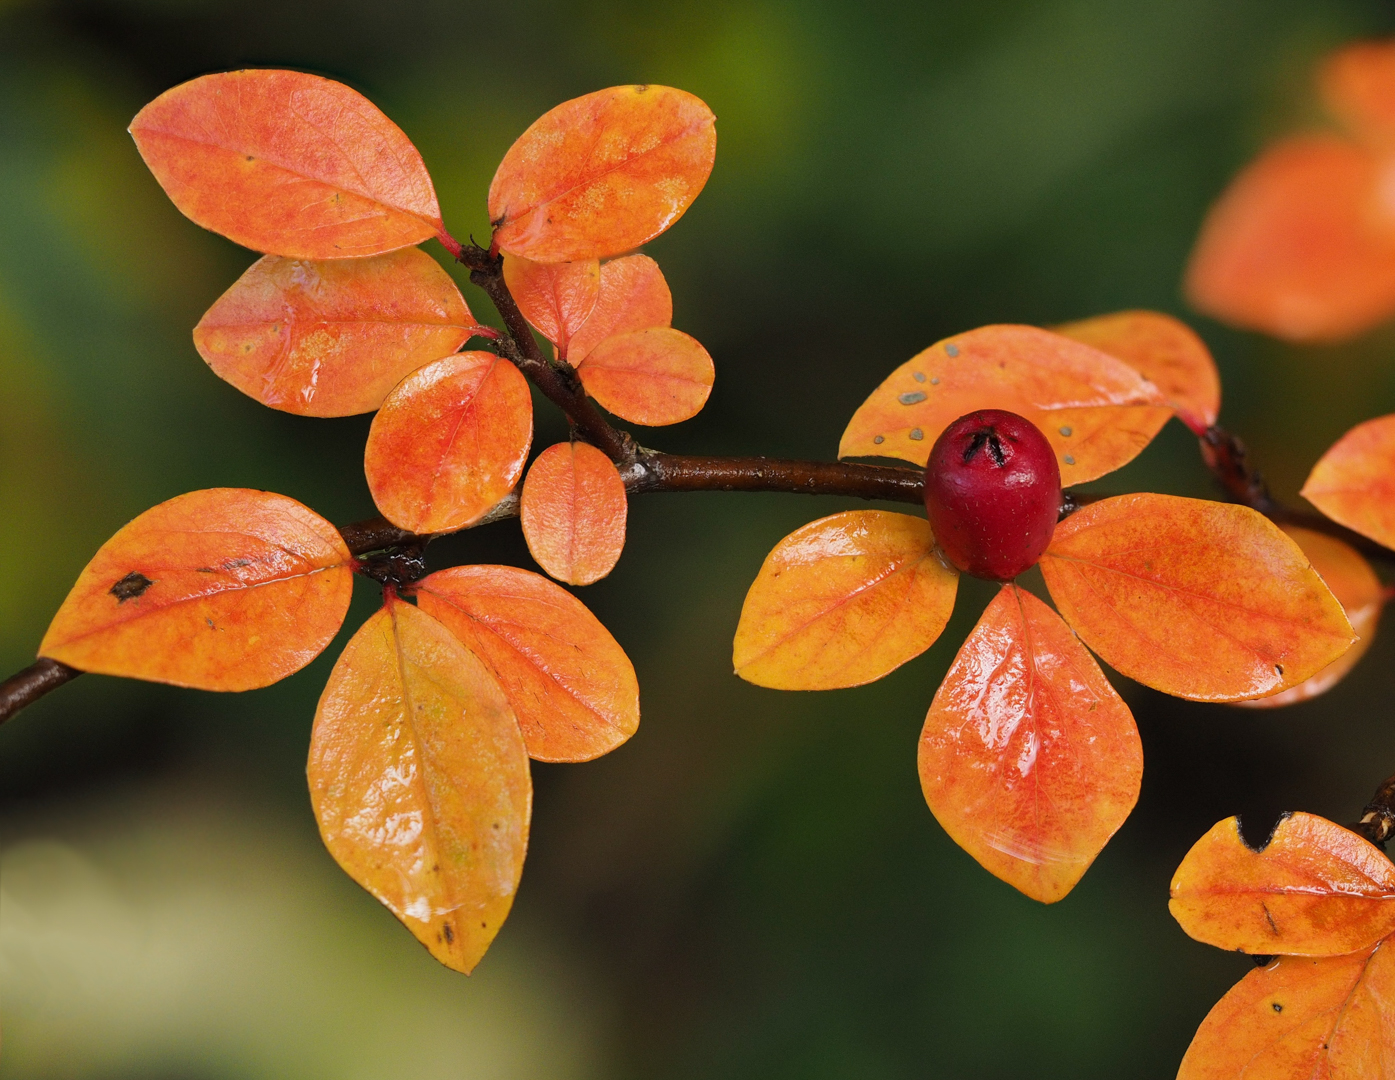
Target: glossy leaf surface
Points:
(601, 174)
(449, 442)
(568, 681)
(573, 512)
(1300, 245)
(555, 297)
(843, 601)
(653, 377)
(1354, 482)
(289, 164)
(1358, 85)
(419, 780)
(331, 338)
(1096, 411)
(1029, 759)
(1166, 352)
(633, 296)
(1316, 889)
(1202, 600)
(1302, 1019)
(222, 589)
(1346, 572)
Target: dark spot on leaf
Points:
(1273, 927)
(210, 623)
(236, 564)
(915, 397)
(496, 824)
(1278, 1007)
(484, 926)
(205, 570)
(251, 158)
(450, 934)
(131, 586)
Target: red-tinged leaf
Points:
(1358, 85)
(1029, 759)
(633, 296)
(1300, 245)
(843, 601)
(555, 297)
(1302, 1019)
(1096, 411)
(653, 377)
(449, 442)
(573, 511)
(570, 684)
(1166, 352)
(288, 163)
(1356, 587)
(1315, 889)
(602, 174)
(419, 780)
(1202, 600)
(331, 338)
(223, 589)
(1354, 482)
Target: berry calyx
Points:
(992, 493)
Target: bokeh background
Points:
(753, 886)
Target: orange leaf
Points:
(602, 174)
(555, 297)
(1300, 245)
(1096, 411)
(633, 296)
(1029, 759)
(419, 780)
(1166, 352)
(288, 163)
(1356, 587)
(843, 601)
(1202, 600)
(571, 686)
(331, 338)
(223, 589)
(1314, 889)
(449, 442)
(1302, 1019)
(653, 377)
(573, 513)
(1354, 482)
(1358, 85)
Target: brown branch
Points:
(27, 686)
(1229, 461)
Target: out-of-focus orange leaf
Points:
(1202, 600)
(1096, 411)
(633, 296)
(1354, 482)
(449, 442)
(1302, 1019)
(223, 589)
(1301, 245)
(573, 511)
(601, 174)
(653, 377)
(842, 601)
(1166, 352)
(1358, 85)
(331, 338)
(288, 163)
(419, 780)
(1355, 585)
(555, 297)
(571, 686)
(1315, 889)
(1029, 759)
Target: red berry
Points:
(993, 493)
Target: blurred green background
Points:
(753, 886)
